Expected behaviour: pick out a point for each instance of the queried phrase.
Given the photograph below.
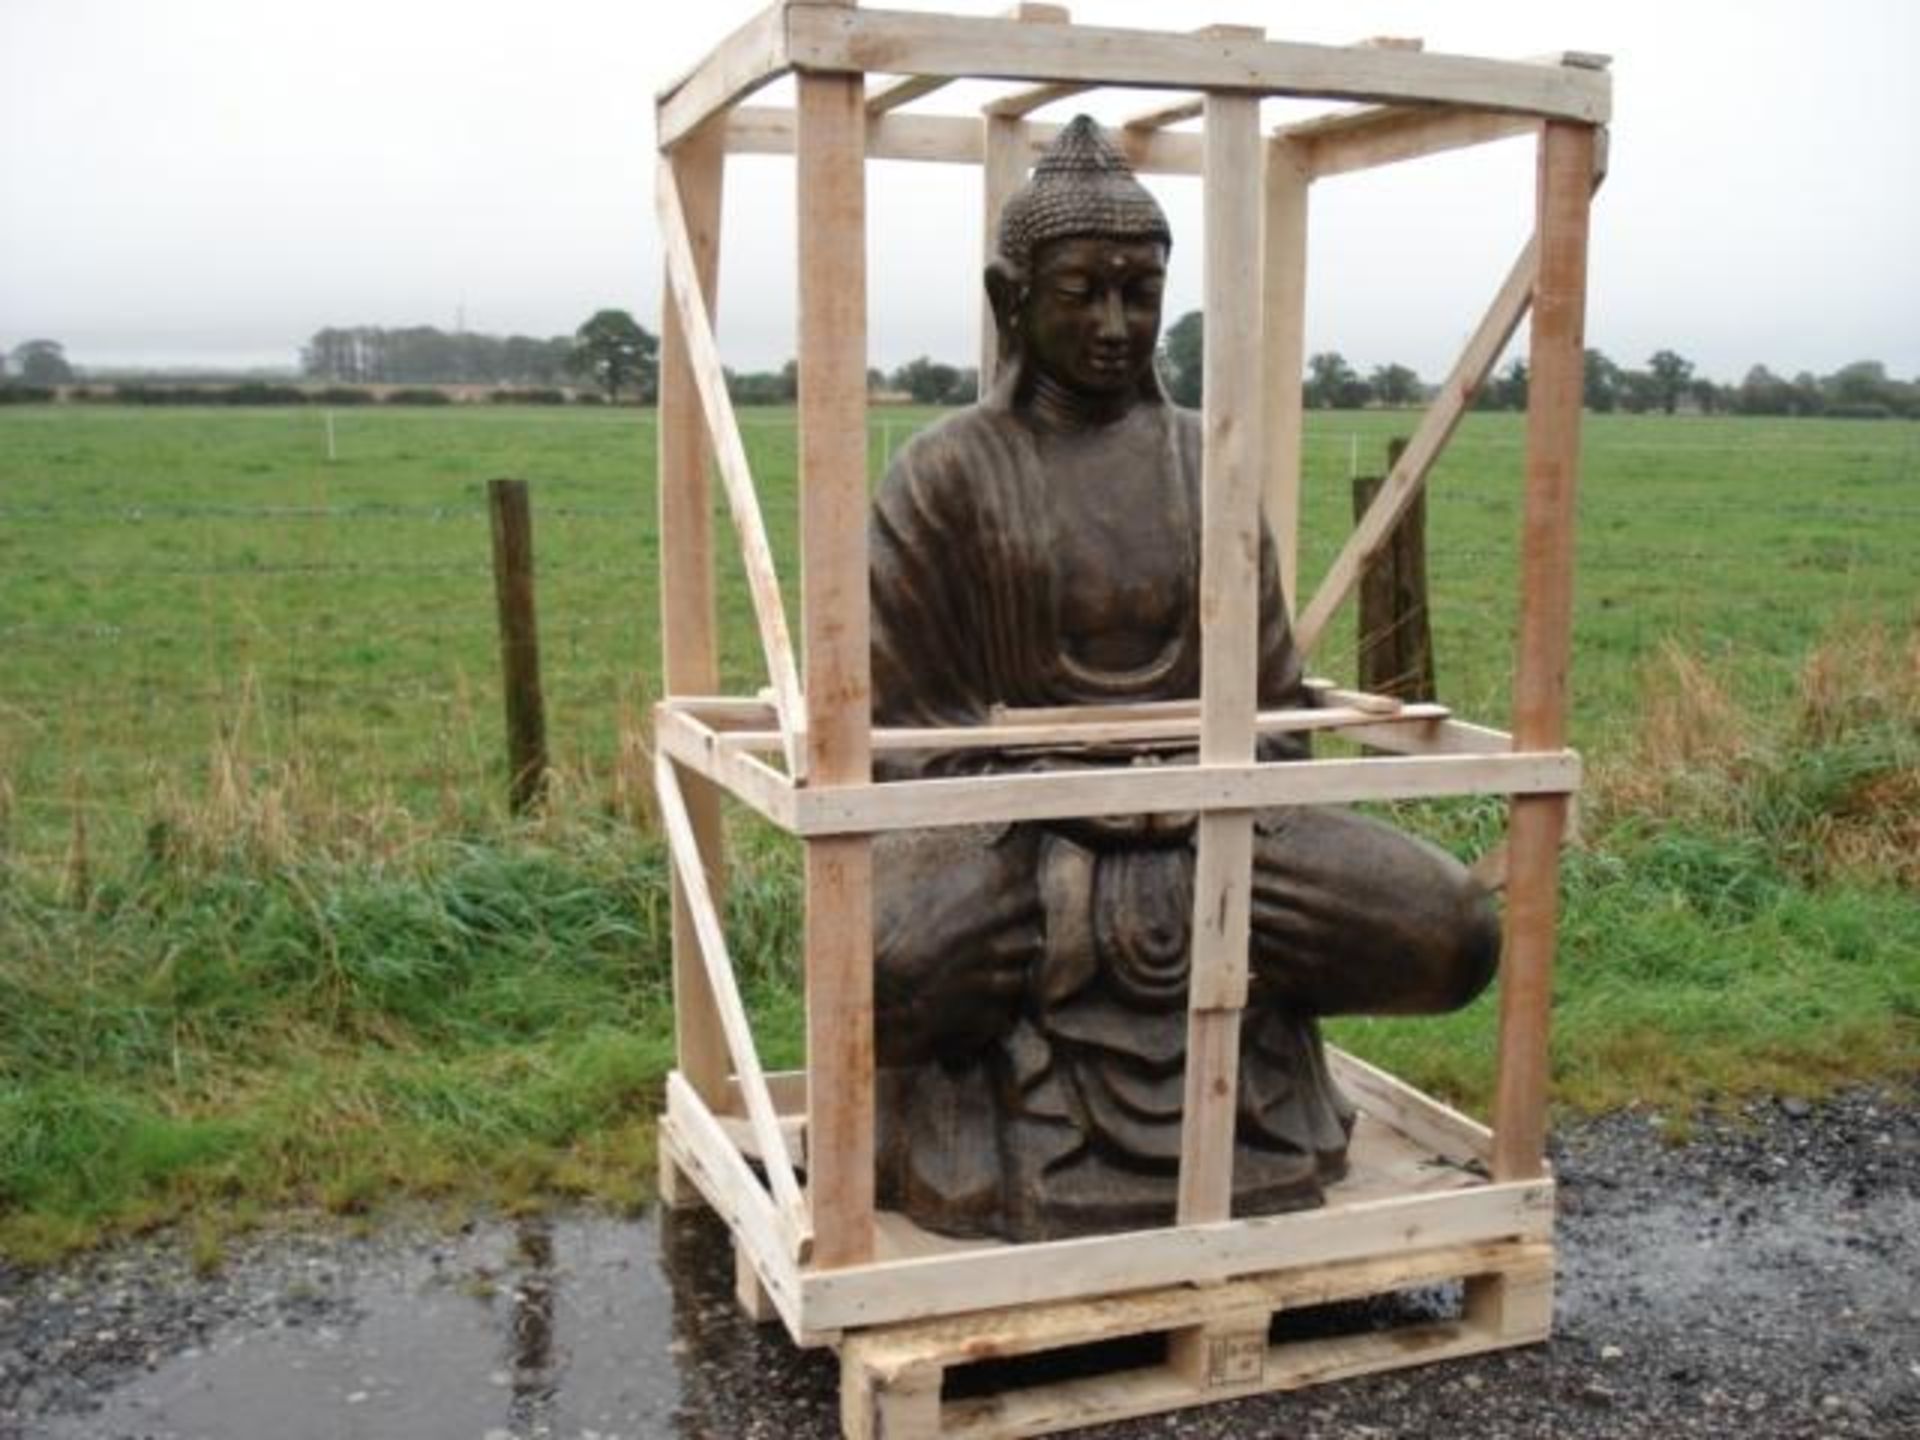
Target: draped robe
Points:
(1055, 1110)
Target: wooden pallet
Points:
(1216, 1342)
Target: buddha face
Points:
(1092, 312)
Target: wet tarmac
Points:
(1759, 1281)
(533, 1329)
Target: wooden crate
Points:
(793, 1176)
(1207, 1343)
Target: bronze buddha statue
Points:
(1042, 549)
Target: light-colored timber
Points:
(833, 587)
(690, 660)
(1005, 156)
(1555, 378)
(848, 39)
(1165, 790)
(1417, 1190)
(1283, 305)
(1092, 729)
(787, 1159)
(1388, 134)
(956, 140)
(748, 1076)
(723, 428)
(1218, 1345)
(1229, 599)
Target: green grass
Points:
(266, 936)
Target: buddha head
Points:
(1076, 286)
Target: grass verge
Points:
(259, 1009)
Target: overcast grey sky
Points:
(210, 181)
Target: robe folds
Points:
(1030, 979)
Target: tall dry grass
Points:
(1830, 781)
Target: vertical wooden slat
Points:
(1283, 303)
(1229, 611)
(1003, 171)
(690, 663)
(1545, 640)
(831, 128)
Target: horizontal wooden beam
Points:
(1090, 731)
(954, 140)
(1173, 113)
(1435, 1127)
(1384, 134)
(736, 67)
(1176, 789)
(861, 39)
(695, 745)
(945, 1284)
(903, 90)
(1024, 102)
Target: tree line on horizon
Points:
(618, 356)
(1666, 384)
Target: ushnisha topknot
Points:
(1081, 186)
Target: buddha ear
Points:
(1006, 290)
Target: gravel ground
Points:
(1760, 1280)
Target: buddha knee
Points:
(1470, 953)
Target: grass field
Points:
(266, 936)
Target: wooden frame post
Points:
(1545, 640)
(689, 637)
(1003, 170)
(831, 124)
(1283, 334)
(1229, 632)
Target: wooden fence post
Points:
(512, 519)
(1396, 632)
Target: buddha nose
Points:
(1110, 319)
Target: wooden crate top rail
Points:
(924, 48)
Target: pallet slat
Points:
(1218, 1344)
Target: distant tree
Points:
(876, 380)
(42, 362)
(1506, 390)
(1808, 397)
(930, 382)
(1183, 359)
(616, 352)
(1864, 382)
(1707, 396)
(764, 387)
(1670, 372)
(1394, 385)
(1332, 383)
(1600, 388)
(1639, 392)
(1763, 393)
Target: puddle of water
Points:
(561, 1329)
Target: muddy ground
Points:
(1761, 1280)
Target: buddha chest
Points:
(1121, 545)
